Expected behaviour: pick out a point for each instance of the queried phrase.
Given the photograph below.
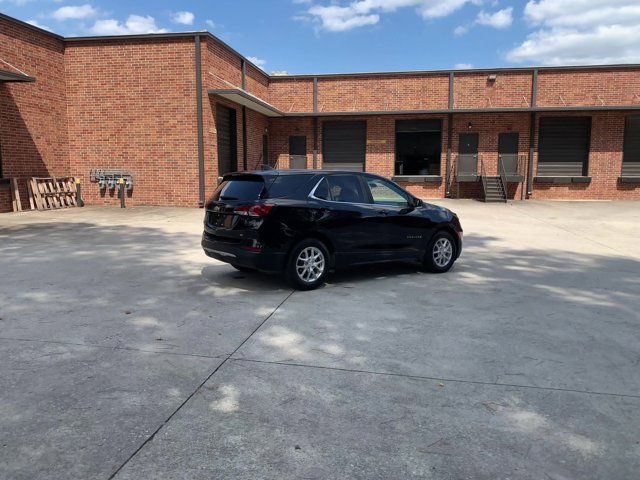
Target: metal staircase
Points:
(493, 189)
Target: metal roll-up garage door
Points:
(563, 148)
(631, 157)
(227, 140)
(344, 145)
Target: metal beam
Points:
(449, 143)
(534, 88)
(532, 142)
(243, 68)
(199, 116)
(451, 90)
(244, 138)
(315, 94)
(315, 142)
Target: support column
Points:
(244, 138)
(199, 116)
(447, 174)
(315, 123)
(532, 131)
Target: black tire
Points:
(293, 271)
(240, 268)
(434, 261)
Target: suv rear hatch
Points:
(238, 207)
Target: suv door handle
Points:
(384, 212)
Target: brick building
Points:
(179, 110)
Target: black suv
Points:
(305, 223)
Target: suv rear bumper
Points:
(229, 253)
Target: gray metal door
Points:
(468, 154)
(227, 140)
(631, 156)
(344, 145)
(508, 152)
(298, 152)
(564, 146)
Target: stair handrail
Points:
(483, 176)
(503, 177)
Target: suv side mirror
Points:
(416, 202)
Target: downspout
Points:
(315, 123)
(201, 179)
(532, 132)
(447, 173)
(244, 139)
(243, 73)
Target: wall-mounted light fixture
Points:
(492, 78)
(469, 126)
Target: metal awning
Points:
(245, 99)
(6, 76)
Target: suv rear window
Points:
(257, 187)
(239, 189)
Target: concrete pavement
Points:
(126, 353)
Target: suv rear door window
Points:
(346, 188)
(285, 185)
(322, 190)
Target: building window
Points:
(418, 147)
(631, 149)
(563, 146)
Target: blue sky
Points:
(325, 36)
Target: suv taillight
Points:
(260, 210)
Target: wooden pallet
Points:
(15, 196)
(52, 193)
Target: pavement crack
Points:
(439, 379)
(198, 388)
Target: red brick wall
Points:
(280, 129)
(33, 122)
(257, 83)
(488, 127)
(557, 88)
(383, 93)
(380, 150)
(5, 199)
(257, 126)
(605, 163)
(291, 94)
(222, 70)
(474, 90)
(132, 106)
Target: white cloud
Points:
(500, 19)
(258, 62)
(35, 23)
(280, 73)
(134, 24)
(78, 12)
(210, 23)
(358, 13)
(462, 66)
(183, 18)
(580, 32)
